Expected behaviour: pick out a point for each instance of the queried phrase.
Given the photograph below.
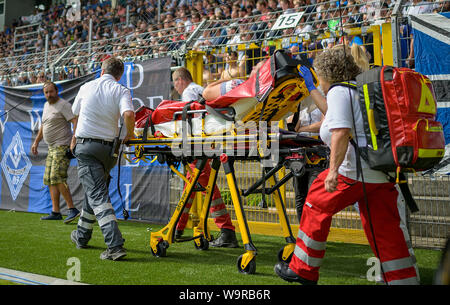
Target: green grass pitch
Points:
(44, 247)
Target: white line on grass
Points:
(33, 279)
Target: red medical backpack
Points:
(399, 114)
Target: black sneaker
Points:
(73, 237)
(282, 270)
(179, 234)
(52, 216)
(226, 239)
(114, 254)
(73, 214)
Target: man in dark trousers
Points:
(99, 105)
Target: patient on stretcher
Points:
(243, 100)
(223, 86)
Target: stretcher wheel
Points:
(249, 269)
(161, 248)
(280, 256)
(204, 244)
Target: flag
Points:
(145, 187)
(431, 33)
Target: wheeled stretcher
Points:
(248, 117)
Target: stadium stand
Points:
(132, 31)
(137, 30)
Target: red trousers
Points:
(392, 239)
(217, 210)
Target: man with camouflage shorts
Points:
(55, 130)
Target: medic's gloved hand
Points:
(307, 76)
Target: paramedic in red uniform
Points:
(190, 91)
(339, 186)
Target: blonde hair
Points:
(358, 54)
(360, 57)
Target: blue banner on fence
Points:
(144, 187)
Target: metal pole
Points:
(46, 54)
(90, 37)
(14, 39)
(159, 11)
(395, 41)
(194, 34)
(56, 62)
(128, 16)
(395, 29)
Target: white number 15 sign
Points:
(287, 21)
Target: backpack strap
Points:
(344, 84)
(409, 199)
(352, 141)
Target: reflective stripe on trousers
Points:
(405, 267)
(94, 164)
(392, 242)
(308, 254)
(217, 209)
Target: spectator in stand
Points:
(196, 19)
(234, 38)
(273, 5)
(286, 7)
(226, 9)
(303, 28)
(242, 13)
(4, 79)
(23, 79)
(199, 7)
(185, 21)
(35, 18)
(442, 7)
(33, 78)
(41, 77)
(263, 9)
(121, 13)
(204, 40)
(234, 68)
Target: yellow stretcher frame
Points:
(273, 106)
(161, 240)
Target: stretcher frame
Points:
(294, 153)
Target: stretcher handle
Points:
(315, 78)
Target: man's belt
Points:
(84, 140)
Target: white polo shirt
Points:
(192, 92)
(339, 115)
(99, 105)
